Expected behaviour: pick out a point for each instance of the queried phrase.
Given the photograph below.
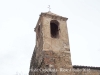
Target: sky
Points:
(18, 19)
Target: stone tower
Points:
(51, 55)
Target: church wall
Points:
(86, 72)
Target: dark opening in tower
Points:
(54, 27)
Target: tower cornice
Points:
(53, 16)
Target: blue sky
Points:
(18, 19)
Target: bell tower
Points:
(51, 55)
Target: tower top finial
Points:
(49, 7)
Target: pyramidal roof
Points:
(50, 13)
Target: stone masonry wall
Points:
(50, 61)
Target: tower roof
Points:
(53, 14)
(50, 13)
